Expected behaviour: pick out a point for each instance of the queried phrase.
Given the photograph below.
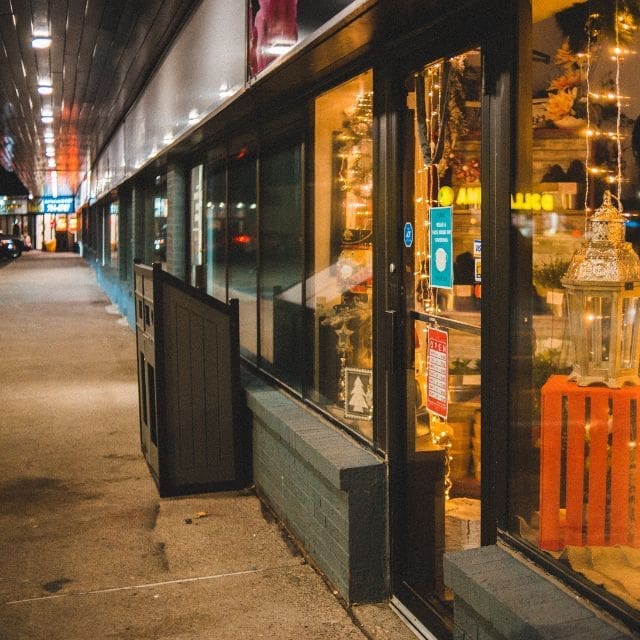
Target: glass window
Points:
(160, 212)
(105, 258)
(575, 472)
(443, 253)
(114, 211)
(196, 226)
(216, 232)
(242, 246)
(281, 243)
(340, 289)
(278, 25)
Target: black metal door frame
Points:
(495, 32)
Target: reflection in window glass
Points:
(281, 307)
(242, 247)
(575, 469)
(340, 291)
(278, 25)
(216, 233)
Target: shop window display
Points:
(576, 473)
(340, 290)
(443, 241)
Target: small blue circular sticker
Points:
(408, 235)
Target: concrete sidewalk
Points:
(87, 548)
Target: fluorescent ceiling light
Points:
(278, 48)
(47, 119)
(41, 42)
(51, 163)
(45, 89)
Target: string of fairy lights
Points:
(624, 25)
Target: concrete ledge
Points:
(328, 490)
(498, 596)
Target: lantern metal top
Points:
(605, 257)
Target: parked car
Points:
(9, 248)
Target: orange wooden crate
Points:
(591, 433)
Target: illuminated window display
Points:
(342, 284)
(576, 474)
(443, 242)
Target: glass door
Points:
(439, 469)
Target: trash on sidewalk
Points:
(198, 515)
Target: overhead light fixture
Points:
(50, 151)
(51, 163)
(41, 42)
(278, 48)
(47, 119)
(45, 89)
(48, 136)
(47, 111)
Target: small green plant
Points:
(549, 274)
(545, 364)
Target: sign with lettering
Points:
(438, 378)
(58, 205)
(472, 197)
(408, 235)
(441, 237)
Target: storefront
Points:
(400, 205)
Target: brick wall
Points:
(499, 595)
(328, 490)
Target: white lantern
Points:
(603, 291)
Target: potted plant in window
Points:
(547, 279)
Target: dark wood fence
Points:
(194, 430)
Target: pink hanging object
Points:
(275, 30)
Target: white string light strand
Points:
(618, 110)
(589, 132)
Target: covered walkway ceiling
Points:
(100, 55)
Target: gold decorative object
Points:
(603, 290)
